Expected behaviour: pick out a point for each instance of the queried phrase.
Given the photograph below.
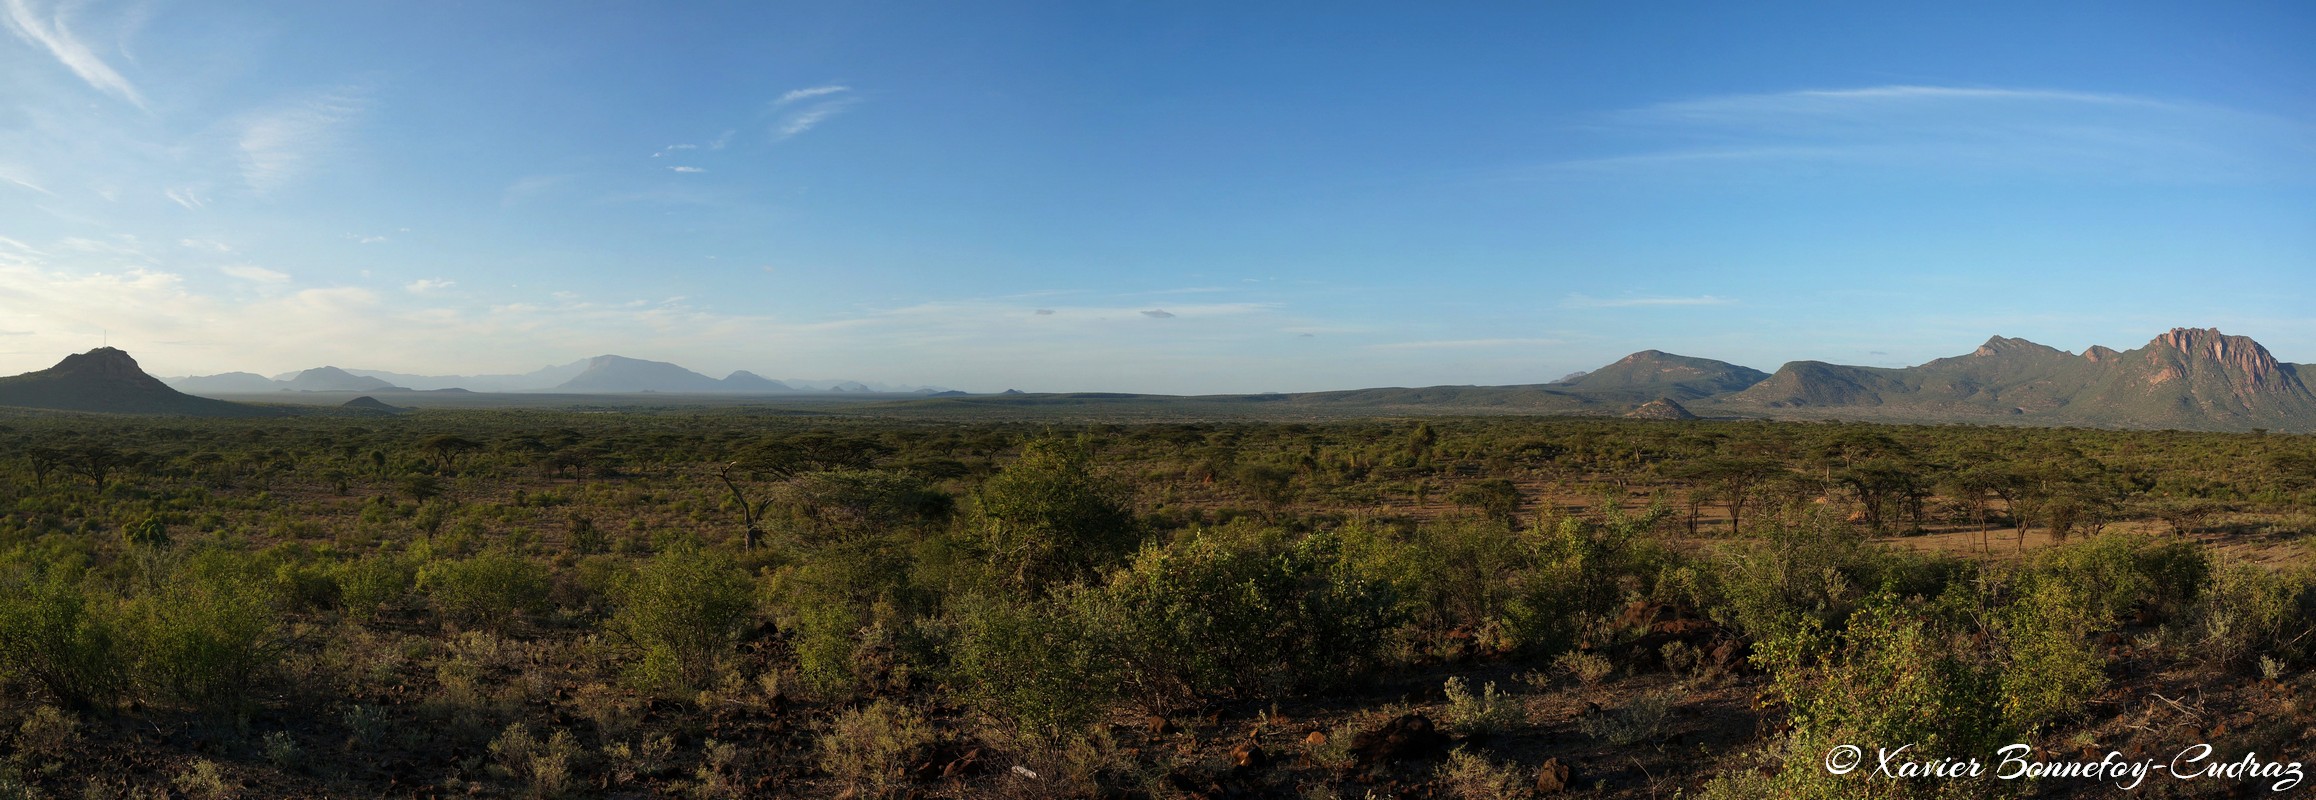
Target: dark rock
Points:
(1554, 777)
(1248, 755)
(1407, 737)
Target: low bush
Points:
(203, 640)
(1236, 612)
(50, 637)
(491, 590)
(681, 613)
(870, 749)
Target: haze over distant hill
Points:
(2191, 378)
(107, 380)
(606, 374)
(333, 379)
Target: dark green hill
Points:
(107, 380)
(1650, 374)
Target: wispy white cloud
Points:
(686, 169)
(205, 245)
(254, 273)
(281, 145)
(811, 107)
(807, 94)
(364, 238)
(186, 198)
(528, 187)
(26, 184)
(1585, 301)
(49, 26)
(1465, 344)
(424, 285)
(1947, 131)
(810, 118)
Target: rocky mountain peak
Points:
(2003, 344)
(108, 362)
(2238, 355)
(2100, 353)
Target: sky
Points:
(1177, 197)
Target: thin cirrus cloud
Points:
(1466, 344)
(1953, 131)
(283, 144)
(804, 109)
(1587, 301)
(254, 274)
(49, 27)
(800, 95)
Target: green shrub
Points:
(491, 590)
(1048, 519)
(1235, 613)
(1030, 663)
(369, 584)
(682, 612)
(1899, 673)
(2250, 611)
(203, 640)
(544, 766)
(1495, 497)
(851, 504)
(870, 749)
(2118, 575)
(50, 637)
(1481, 714)
(1471, 777)
(2049, 665)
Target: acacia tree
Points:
(98, 462)
(445, 448)
(1975, 486)
(1732, 481)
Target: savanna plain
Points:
(711, 603)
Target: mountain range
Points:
(605, 374)
(107, 380)
(2186, 378)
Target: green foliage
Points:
(853, 504)
(682, 612)
(2248, 612)
(1048, 519)
(51, 637)
(489, 590)
(150, 530)
(1816, 572)
(870, 749)
(2119, 575)
(1233, 613)
(2049, 665)
(542, 765)
(1485, 713)
(1494, 497)
(1030, 663)
(1895, 675)
(368, 585)
(207, 637)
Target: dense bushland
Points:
(555, 605)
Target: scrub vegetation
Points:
(725, 603)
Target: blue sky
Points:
(1171, 197)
